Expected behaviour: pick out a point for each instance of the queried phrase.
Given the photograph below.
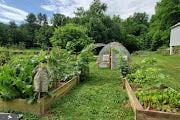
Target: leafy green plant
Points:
(61, 65)
(124, 67)
(147, 77)
(166, 99)
(16, 77)
(147, 80)
(83, 62)
(4, 57)
(71, 37)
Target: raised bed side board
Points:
(42, 105)
(142, 114)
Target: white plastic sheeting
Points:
(175, 35)
(109, 56)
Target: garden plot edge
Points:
(142, 114)
(43, 104)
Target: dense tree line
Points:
(167, 15)
(137, 32)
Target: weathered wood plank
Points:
(132, 98)
(156, 115)
(21, 105)
(58, 93)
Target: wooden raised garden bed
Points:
(142, 114)
(42, 105)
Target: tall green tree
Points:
(100, 27)
(137, 24)
(31, 19)
(72, 37)
(3, 34)
(59, 20)
(31, 26)
(12, 33)
(42, 19)
(45, 19)
(43, 35)
(136, 28)
(167, 15)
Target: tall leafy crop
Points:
(16, 77)
(61, 65)
(124, 67)
(83, 62)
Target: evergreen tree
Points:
(31, 26)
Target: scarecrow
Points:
(41, 78)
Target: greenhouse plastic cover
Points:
(109, 56)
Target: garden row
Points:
(7, 53)
(19, 78)
(150, 97)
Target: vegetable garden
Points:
(147, 80)
(19, 79)
(48, 69)
(101, 96)
(149, 84)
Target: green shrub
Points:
(71, 37)
(83, 62)
(60, 64)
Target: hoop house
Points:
(110, 55)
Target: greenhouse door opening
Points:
(111, 54)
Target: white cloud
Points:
(4, 20)
(124, 8)
(8, 13)
(66, 7)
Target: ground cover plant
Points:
(19, 50)
(4, 57)
(168, 65)
(151, 90)
(7, 53)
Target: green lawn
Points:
(99, 98)
(170, 65)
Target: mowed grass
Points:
(101, 97)
(169, 65)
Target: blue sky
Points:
(18, 9)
